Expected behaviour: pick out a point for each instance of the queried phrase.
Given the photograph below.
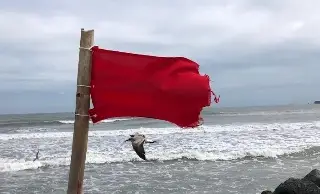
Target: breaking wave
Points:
(206, 143)
(104, 121)
(266, 113)
(253, 127)
(53, 122)
(8, 165)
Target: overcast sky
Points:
(258, 52)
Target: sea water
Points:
(236, 150)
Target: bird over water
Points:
(137, 141)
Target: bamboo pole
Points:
(81, 123)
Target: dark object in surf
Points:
(310, 184)
(37, 156)
(316, 102)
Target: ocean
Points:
(236, 150)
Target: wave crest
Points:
(8, 165)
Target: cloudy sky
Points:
(257, 52)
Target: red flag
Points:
(134, 85)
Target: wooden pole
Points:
(81, 123)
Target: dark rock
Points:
(310, 184)
(313, 176)
(297, 186)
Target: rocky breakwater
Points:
(310, 184)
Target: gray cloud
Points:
(251, 49)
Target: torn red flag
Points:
(135, 85)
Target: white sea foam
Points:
(269, 113)
(16, 165)
(103, 121)
(169, 130)
(128, 155)
(34, 129)
(217, 142)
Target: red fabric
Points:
(134, 85)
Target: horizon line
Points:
(210, 107)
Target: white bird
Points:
(137, 143)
